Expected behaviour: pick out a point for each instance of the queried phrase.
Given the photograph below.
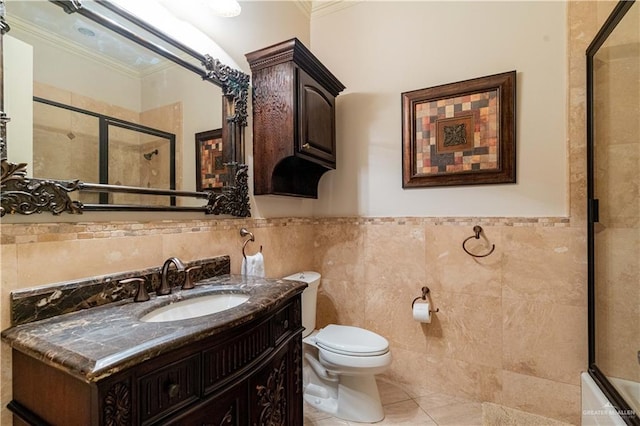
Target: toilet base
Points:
(353, 398)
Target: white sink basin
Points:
(196, 307)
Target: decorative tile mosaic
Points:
(33, 233)
(457, 134)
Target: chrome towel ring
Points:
(477, 230)
(243, 233)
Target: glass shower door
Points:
(615, 207)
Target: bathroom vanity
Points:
(104, 366)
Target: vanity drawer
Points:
(286, 320)
(168, 388)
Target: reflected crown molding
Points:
(61, 43)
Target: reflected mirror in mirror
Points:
(90, 83)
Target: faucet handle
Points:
(141, 291)
(188, 280)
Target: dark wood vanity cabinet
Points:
(249, 375)
(294, 131)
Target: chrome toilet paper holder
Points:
(425, 291)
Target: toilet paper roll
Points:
(421, 312)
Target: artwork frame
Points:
(461, 133)
(211, 169)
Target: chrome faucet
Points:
(164, 275)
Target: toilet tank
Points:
(309, 298)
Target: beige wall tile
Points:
(339, 250)
(8, 280)
(421, 375)
(199, 245)
(450, 269)
(467, 328)
(395, 254)
(546, 265)
(541, 396)
(287, 249)
(50, 262)
(340, 302)
(545, 340)
(394, 273)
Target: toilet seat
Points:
(351, 341)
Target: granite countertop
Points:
(98, 342)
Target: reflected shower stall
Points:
(72, 143)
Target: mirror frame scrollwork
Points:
(25, 195)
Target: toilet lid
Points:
(347, 340)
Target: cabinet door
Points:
(316, 121)
(268, 392)
(275, 391)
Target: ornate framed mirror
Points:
(104, 107)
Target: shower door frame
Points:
(619, 403)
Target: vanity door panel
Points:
(227, 408)
(268, 392)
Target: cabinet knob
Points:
(173, 390)
(285, 324)
(306, 146)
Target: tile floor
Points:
(402, 409)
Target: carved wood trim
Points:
(24, 195)
(117, 405)
(234, 83)
(234, 199)
(297, 361)
(228, 417)
(272, 397)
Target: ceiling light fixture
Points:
(225, 8)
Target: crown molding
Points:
(305, 6)
(326, 7)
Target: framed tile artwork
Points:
(460, 133)
(211, 172)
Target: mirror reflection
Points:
(102, 109)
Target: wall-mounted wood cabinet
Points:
(294, 124)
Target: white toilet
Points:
(340, 362)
